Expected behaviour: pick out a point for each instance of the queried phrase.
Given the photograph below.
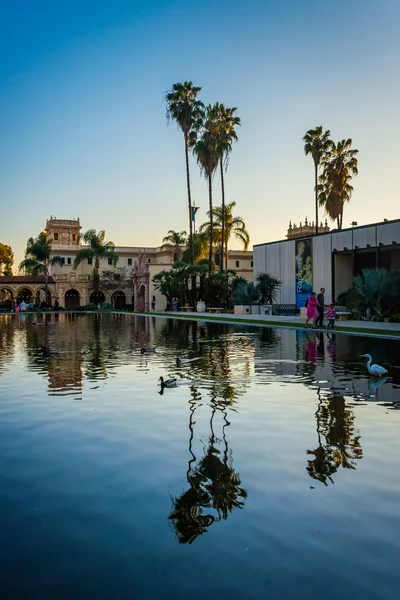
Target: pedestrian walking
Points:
(311, 312)
(331, 315)
(153, 303)
(320, 308)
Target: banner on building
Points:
(304, 271)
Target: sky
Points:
(83, 130)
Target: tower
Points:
(63, 232)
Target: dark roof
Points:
(25, 279)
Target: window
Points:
(69, 260)
(130, 262)
(63, 260)
(74, 237)
(237, 263)
(252, 263)
(217, 260)
(55, 236)
(89, 261)
(110, 261)
(117, 277)
(149, 261)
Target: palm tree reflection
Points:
(214, 486)
(338, 444)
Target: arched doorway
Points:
(6, 298)
(41, 295)
(24, 294)
(97, 298)
(141, 298)
(72, 299)
(118, 299)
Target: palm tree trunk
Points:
(96, 274)
(211, 225)
(46, 283)
(189, 200)
(221, 262)
(316, 198)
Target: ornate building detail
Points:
(141, 280)
(305, 230)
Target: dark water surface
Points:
(271, 471)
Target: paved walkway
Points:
(361, 327)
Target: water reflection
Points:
(338, 442)
(214, 486)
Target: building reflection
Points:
(214, 487)
(338, 442)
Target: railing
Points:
(285, 310)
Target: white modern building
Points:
(328, 260)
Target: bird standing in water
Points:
(375, 370)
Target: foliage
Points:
(317, 144)
(113, 281)
(232, 226)
(246, 294)
(107, 306)
(379, 290)
(185, 109)
(98, 249)
(339, 166)
(268, 287)
(175, 241)
(200, 249)
(203, 140)
(350, 299)
(38, 258)
(6, 259)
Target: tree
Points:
(96, 249)
(233, 226)
(339, 166)
(175, 241)
(226, 135)
(38, 258)
(204, 141)
(317, 143)
(112, 281)
(184, 108)
(268, 287)
(6, 259)
(200, 248)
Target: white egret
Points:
(375, 370)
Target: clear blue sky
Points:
(82, 114)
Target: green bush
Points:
(107, 306)
(379, 290)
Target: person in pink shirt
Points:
(311, 312)
(331, 315)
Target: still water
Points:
(270, 471)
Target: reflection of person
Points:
(312, 349)
(311, 309)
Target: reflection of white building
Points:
(337, 256)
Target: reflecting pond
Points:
(271, 470)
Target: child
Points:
(331, 316)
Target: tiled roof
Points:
(24, 279)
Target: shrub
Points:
(379, 290)
(107, 306)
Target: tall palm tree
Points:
(204, 141)
(175, 241)
(233, 226)
(184, 108)
(227, 121)
(339, 166)
(38, 258)
(317, 143)
(96, 249)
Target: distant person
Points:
(153, 303)
(31, 306)
(320, 308)
(174, 304)
(22, 306)
(56, 305)
(331, 315)
(311, 312)
(16, 308)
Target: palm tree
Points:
(268, 287)
(38, 258)
(226, 135)
(175, 241)
(340, 165)
(317, 143)
(96, 249)
(233, 226)
(204, 141)
(184, 108)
